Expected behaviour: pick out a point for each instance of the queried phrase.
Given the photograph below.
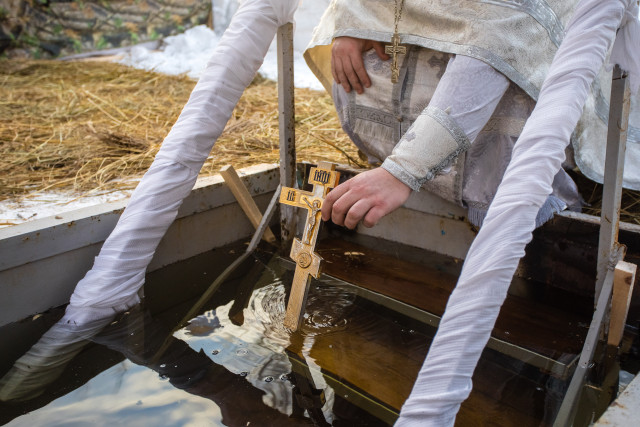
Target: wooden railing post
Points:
(286, 110)
(609, 250)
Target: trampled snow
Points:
(186, 53)
(189, 52)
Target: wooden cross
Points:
(394, 49)
(324, 177)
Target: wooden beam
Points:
(245, 200)
(287, 132)
(427, 286)
(613, 172)
(623, 279)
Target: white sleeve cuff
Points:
(430, 145)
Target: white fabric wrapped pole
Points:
(445, 378)
(119, 270)
(48, 358)
(627, 45)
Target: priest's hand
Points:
(347, 65)
(367, 197)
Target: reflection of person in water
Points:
(240, 403)
(139, 338)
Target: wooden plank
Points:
(32, 253)
(187, 237)
(534, 325)
(245, 200)
(446, 235)
(382, 358)
(46, 237)
(623, 279)
(618, 126)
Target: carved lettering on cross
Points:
(323, 178)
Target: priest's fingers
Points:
(335, 194)
(379, 48)
(361, 77)
(342, 78)
(368, 196)
(342, 209)
(357, 212)
(338, 202)
(347, 65)
(351, 78)
(340, 53)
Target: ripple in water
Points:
(327, 309)
(268, 304)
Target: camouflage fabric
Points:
(50, 28)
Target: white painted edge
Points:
(118, 206)
(46, 237)
(626, 226)
(625, 410)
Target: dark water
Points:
(352, 363)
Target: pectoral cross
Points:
(394, 49)
(323, 178)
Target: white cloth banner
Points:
(445, 378)
(119, 270)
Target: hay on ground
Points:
(91, 126)
(87, 126)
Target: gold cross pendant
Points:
(394, 49)
(323, 178)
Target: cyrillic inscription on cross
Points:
(323, 178)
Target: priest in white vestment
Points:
(468, 80)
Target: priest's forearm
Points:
(463, 102)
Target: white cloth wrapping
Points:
(444, 380)
(49, 357)
(627, 44)
(119, 270)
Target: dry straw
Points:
(90, 126)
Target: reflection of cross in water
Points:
(323, 178)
